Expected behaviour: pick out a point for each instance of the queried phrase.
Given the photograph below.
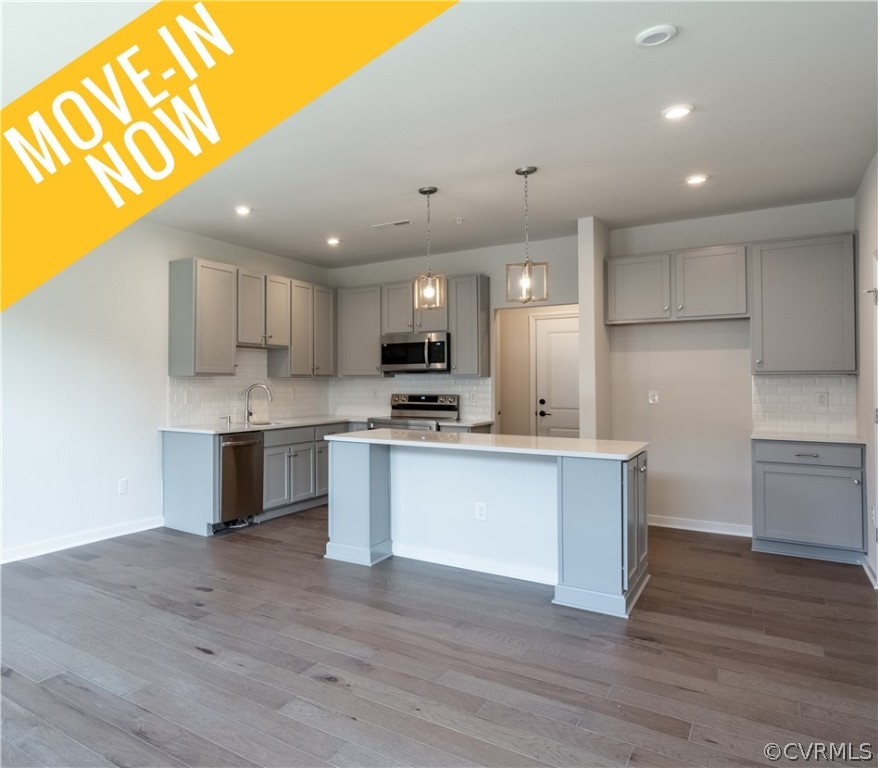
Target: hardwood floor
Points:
(164, 649)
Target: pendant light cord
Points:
(429, 270)
(526, 240)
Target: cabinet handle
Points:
(409, 325)
(758, 362)
(679, 307)
(642, 469)
(319, 450)
(295, 453)
(809, 455)
(665, 309)
(453, 367)
(856, 482)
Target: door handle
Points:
(543, 413)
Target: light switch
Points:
(653, 397)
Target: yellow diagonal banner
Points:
(161, 102)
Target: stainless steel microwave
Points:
(415, 352)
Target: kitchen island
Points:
(559, 511)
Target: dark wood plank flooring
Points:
(250, 649)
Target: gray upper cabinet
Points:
(324, 331)
(312, 334)
(696, 284)
(202, 331)
(359, 331)
(277, 311)
(398, 313)
(639, 288)
(710, 282)
(469, 325)
(251, 308)
(804, 306)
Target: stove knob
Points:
(403, 398)
(441, 399)
(395, 399)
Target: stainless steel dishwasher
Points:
(240, 476)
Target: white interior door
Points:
(555, 376)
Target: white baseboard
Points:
(705, 526)
(873, 577)
(75, 540)
(469, 563)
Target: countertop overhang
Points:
(614, 450)
(301, 421)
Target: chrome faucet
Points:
(247, 400)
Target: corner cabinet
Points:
(808, 499)
(359, 331)
(804, 306)
(202, 332)
(469, 298)
(696, 284)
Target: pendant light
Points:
(429, 289)
(527, 281)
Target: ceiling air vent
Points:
(391, 224)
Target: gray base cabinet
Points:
(808, 499)
(804, 306)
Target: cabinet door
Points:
(302, 471)
(277, 311)
(251, 308)
(324, 331)
(636, 535)
(397, 308)
(642, 514)
(638, 288)
(804, 306)
(321, 470)
(359, 331)
(276, 477)
(808, 504)
(711, 282)
(215, 321)
(302, 329)
(468, 325)
(427, 320)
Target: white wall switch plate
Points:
(123, 486)
(653, 397)
(481, 510)
(821, 399)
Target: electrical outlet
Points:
(123, 486)
(653, 397)
(473, 398)
(481, 510)
(821, 399)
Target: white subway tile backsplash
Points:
(206, 400)
(789, 404)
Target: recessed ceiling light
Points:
(332, 241)
(656, 35)
(677, 111)
(243, 210)
(696, 178)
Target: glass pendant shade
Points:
(527, 281)
(429, 291)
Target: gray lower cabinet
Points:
(804, 306)
(296, 464)
(604, 557)
(808, 499)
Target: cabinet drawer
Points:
(820, 454)
(288, 436)
(329, 429)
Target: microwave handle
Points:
(427, 352)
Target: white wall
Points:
(699, 432)
(85, 388)
(867, 245)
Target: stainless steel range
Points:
(423, 412)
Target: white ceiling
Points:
(786, 97)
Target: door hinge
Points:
(876, 415)
(874, 292)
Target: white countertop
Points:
(808, 437)
(302, 421)
(617, 450)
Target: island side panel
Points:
(359, 502)
(591, 527)
(190, 485)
